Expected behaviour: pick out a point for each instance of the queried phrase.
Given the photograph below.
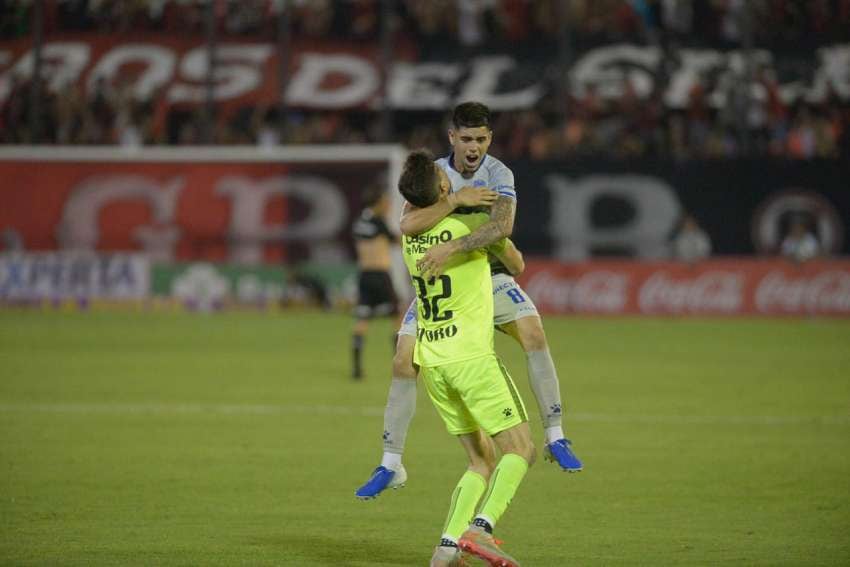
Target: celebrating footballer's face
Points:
(470, 145)
(470, 135)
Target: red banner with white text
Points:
(725, 287)
(172, 69)
(187, 210)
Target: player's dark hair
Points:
(418, 181)
(471, 115)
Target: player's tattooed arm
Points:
(415, 220)
(499, 226)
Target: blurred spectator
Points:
(800, 244)
(842, 125)
(15, 18)
(677, 16)
(449, 24)
(265, 124)
(691, 244)
(313, 18)
(364, 19)
(128, 128)
(102, 111)
(13, 113)
(245, 17)
(802, 141)
(431, 24)
(473, 19)
(70, 114)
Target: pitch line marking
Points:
(199, 408)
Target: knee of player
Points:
(533, 338)
(403, 366)
(526, 450)
(482, 467)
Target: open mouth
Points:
(471, 161)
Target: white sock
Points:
(401, 405)
(543, 379)
(391, 461)
(554, 433)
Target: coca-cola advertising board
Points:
(728, 287)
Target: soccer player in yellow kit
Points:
(467, 383)
(471, 171)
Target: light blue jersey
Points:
(492, 174)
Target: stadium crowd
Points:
(565, 124)
(448, 23)
(580, 126)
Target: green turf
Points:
(238, 439)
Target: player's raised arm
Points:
(415, 220)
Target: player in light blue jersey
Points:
(477, 179)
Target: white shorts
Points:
(510, 303)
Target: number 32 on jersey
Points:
(430, 296)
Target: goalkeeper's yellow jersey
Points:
(454, 310)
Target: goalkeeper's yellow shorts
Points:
(475, 394)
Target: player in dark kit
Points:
(375, 294)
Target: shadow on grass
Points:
(313, 549)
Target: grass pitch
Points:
(239, 439)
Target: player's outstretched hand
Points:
(474, 196)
